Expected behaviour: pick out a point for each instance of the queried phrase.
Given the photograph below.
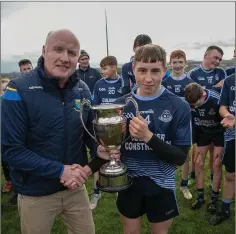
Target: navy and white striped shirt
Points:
(227, 98)
(207, 78)
(168, 117)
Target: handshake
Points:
(75, 175)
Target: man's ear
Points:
(43, 51)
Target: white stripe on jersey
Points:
(164, 172)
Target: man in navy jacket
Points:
(42, 135)
(86, 73)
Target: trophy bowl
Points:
(109, 126)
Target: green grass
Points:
(107, 221)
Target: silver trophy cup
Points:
(109, 126)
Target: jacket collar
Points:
(84, 70)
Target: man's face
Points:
(108, 71)
(178, 65)
(26, 68)
(148, 77)
(213, 58)
(84, 62)
(61, 54)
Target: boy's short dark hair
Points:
(24, 62)
(150, 54)
(109, 61)
(214, 47)
(193, 92)
(141, 40)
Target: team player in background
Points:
(127, 70)
(176, 83)
(227, 112)
(25, 65)
(230, 70)
(208, 130)
(209, 76)
(106, 91)
(160, 140)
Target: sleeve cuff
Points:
(62, 170)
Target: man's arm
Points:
(14, 132)
(222, 76)
(228, 118)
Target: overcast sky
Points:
(190, 26)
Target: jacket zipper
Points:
(65, 122)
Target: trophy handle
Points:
(127, 101)
(85, 102)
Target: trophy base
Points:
(114, 184)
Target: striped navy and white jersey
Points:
(177, 85)
(227, 98)
(207, 117)
(207, 78)
(168, 117)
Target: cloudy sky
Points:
(190, 26)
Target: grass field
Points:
(107, 221)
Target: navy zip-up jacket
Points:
(42, 130)
(90, 76)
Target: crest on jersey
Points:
(166, 116)
(217, 77)
(77, 104)
(211, 112)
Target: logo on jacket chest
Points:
(77, 104)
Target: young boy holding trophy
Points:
(160, 140)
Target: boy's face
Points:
(178, 65)
(108, 71)
(148, 77)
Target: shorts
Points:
(206, 138)
(194, 139)
(144, 196)
(229, 156)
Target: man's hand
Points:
(228, 121)
(106, 154)
(138, 128)
(74, 176)
(219, 84)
